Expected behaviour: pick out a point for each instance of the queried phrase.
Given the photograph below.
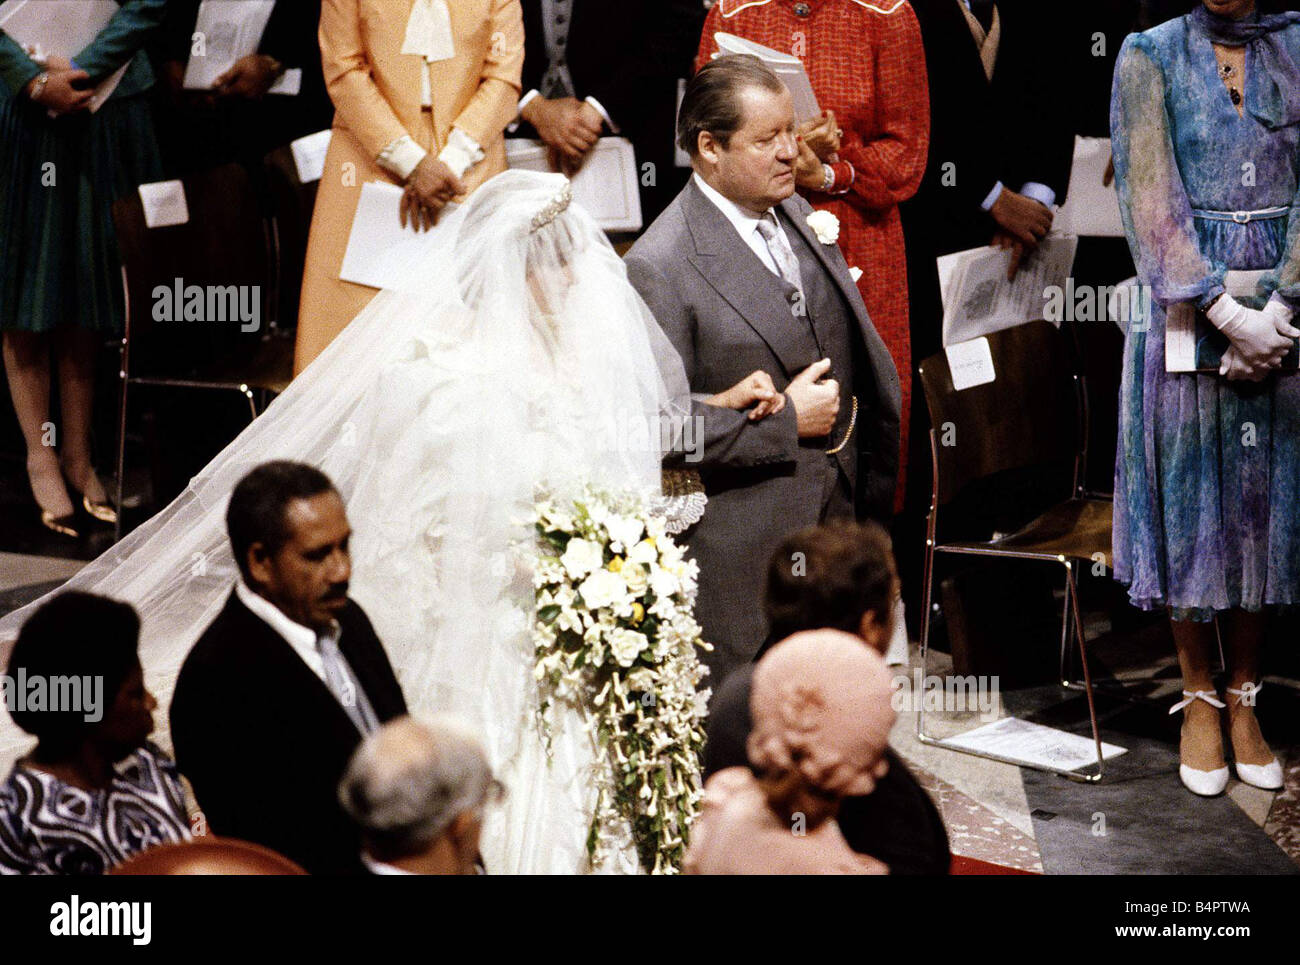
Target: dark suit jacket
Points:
(628, 55)
(1017, 128)
(721, 309)
(195, 137)
(264, 742)
(897, 822)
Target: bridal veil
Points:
(510, 356)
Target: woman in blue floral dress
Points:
(1205, 120)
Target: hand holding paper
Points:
(431, 186)
(250, 77)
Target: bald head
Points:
(408, 781)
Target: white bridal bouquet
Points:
(615, 636)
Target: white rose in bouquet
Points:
(624, 532)
(603, 589)
(582, 556)
(626, 645)
(634, 575)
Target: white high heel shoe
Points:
(1265, 776)
(1204, 783)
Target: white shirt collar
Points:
(744, 219)
(381, 867)
(302, 639)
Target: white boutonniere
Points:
(825, 226)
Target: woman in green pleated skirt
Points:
(61, 168)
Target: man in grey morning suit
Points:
(739, 281)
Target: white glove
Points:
(1252, 333)
(1280, 314)
(1233, 367)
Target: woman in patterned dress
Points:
(1205, 121)
(94, 791)
(867, 67)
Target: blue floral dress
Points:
(1208, 471)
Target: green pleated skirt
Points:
(59, 263)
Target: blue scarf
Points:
(1273, 86)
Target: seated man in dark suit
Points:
(839, 576)
(281, 688)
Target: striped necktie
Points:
(339, 679)
(778, 246)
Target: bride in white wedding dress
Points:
(511, 354)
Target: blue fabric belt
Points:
(1243, 217)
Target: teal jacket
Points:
(122, 40)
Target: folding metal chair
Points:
(226, 241)
(1029, 415)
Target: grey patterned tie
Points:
(338, 677)
(778, 246)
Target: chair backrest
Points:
(293, 204)
(208, 856)
(222, 253)
(1027, 416)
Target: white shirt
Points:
(381, 867)
(301, 639)
(744, 221)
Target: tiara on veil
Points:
(554, 208)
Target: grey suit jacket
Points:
(713, 298)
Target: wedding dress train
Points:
(510, 357)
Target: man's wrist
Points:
(599, 108)
(527, 99)
(993, 197)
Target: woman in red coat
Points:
(867, 68)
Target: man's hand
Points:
(568, 126)
(430, 186)
(1023, 218)
(1017, 248)
(823, 136)
(563, 163)
(63, 92)
(816, 404)
(249, 77)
